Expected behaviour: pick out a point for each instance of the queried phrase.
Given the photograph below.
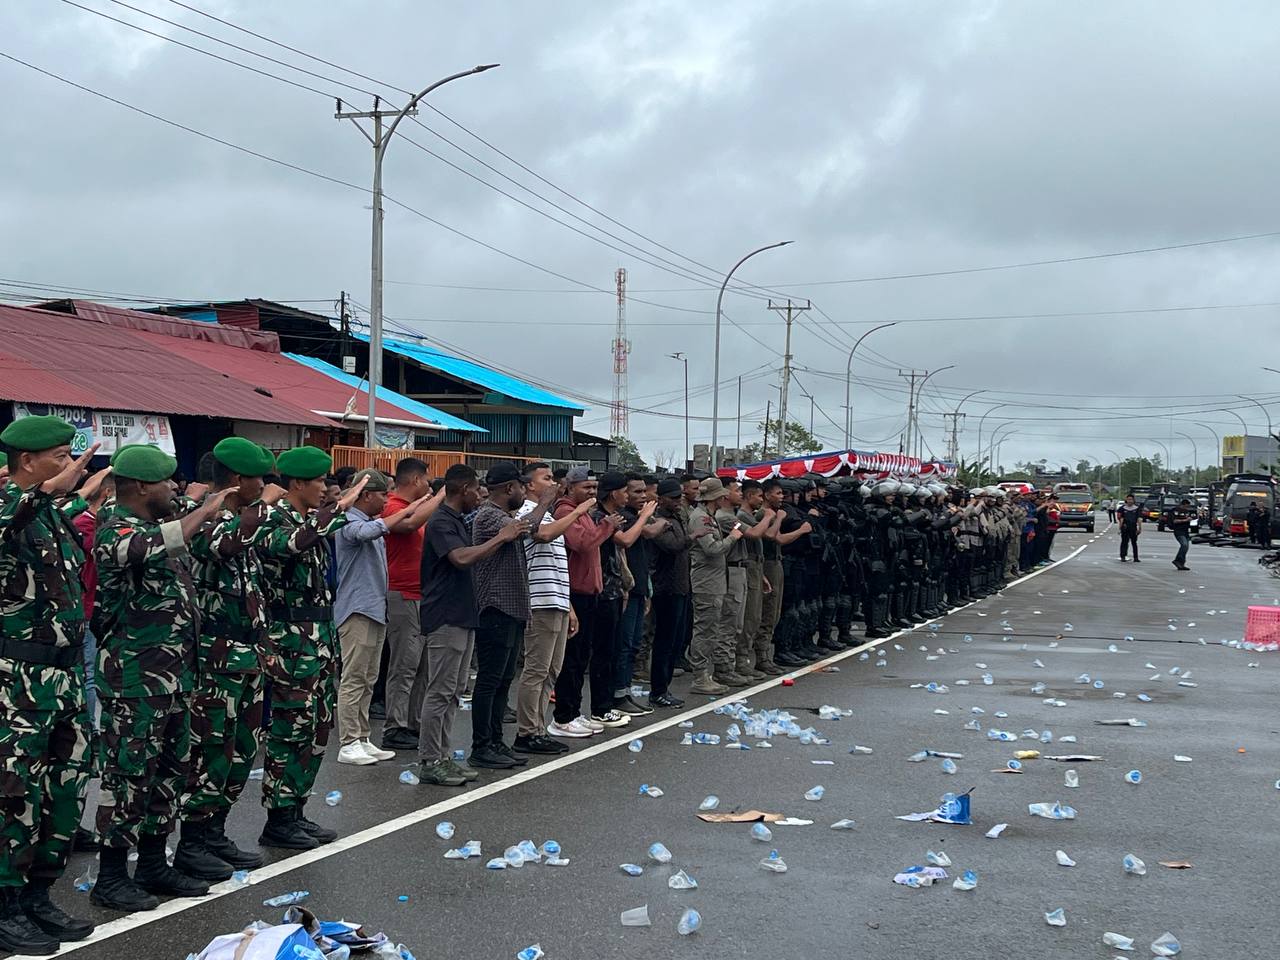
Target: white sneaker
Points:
(611, 718)
(354, 753)
(571, 730)
(377, 752)
(594, 726)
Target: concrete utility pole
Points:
(914, 418)
(789, 309)
(953, 445)
(379, 140)
(768, 409)
(904, 446)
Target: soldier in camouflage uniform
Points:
(226, 709)
(146, 620)
(301, 644)
(44, 725)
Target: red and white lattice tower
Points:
(619, 421)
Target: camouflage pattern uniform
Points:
(146, 621)
(44, 725)
(301, 649)
(226, 710)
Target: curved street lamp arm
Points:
(848, 379)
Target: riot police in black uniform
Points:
(880, 559)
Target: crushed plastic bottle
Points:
(938, 859)
(1134, 866)
(1038, 688)
(949, 766)
(514, 857)
(1013, 764)
(1133, 776)
(690, 922)
(1052, 811)
(936, 687)
(1038, 663)
(1056, 918)
(550, 848)
(843, 825)
(988, 679)
(1117, 940)
(1071, 779)
(658, 853)
(707, 739)
(648, 791)
(860, 749)
(84, 883)
(333, 797)
(1064, 860)
(816, 793)
(444, 830)
(635, 746)
(710, 803)
(459, 755)
(636, 917)
(682, 881)
(1003, 735)
(760, 832)
(529, 852)
(409, 777)
(966, 881)
(1166, 945)
(995, 831)
(287, 899)
(531, 953)
(239, 878)
(773, 863)
(918, 757)
(973, 725)
(631, 869)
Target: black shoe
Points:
(377, 711)
(1136, 560)
(398, 738)
(84, 841)
(490, 759)
(828, 644)
(18, 933)
(48, 916)
(873, 633)
(536, 745)
(195, 859)
(629, 704)
(115, 889)
(502, 748)
(784, 658)
(154, 875)
(220, 845)
(320, 834)
(284, 832)
(662, 701)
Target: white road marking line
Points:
(125, 924)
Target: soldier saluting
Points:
(44, 725)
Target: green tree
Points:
(628, 456)
(798, 441)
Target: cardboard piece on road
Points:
(1175, 864)
(746, 816)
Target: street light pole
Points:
(920, 393)
(1217, 445)
(848, 379)
(715, 387)
(983, 418)
(685, 360)
(1140, 459)
(1195, 456)
(1168, 456)
(1119, 469)
(380, 139)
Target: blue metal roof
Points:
(475, 373)
(446, 420)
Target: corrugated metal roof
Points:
(52, 357)
(425, 411)
(471, 372)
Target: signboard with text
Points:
(79, 417)
(114, 429)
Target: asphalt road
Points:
(837, 898)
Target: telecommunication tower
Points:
(619, 421)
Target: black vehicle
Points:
(1243, 489)
(1171, 500)
(1149, 508)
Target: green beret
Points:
(375, 480)
(268, 460)
(141, 461)
(304, 463)
(240, 456)
(38, 433)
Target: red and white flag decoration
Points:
(842, 463)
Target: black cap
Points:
(503, 472)
(611, 481)
(669, 487)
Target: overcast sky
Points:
(882, 138)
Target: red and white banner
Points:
(842, 463)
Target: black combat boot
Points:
(193, 856)
(154, 875)
(115, 889)
(18, 934)
(283, 830)
(319, 833)
(48, 916)
(220, 845)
